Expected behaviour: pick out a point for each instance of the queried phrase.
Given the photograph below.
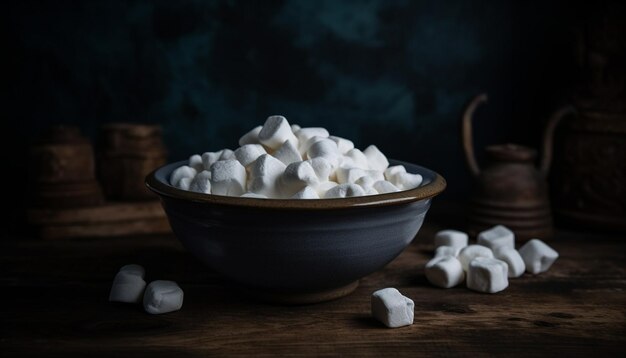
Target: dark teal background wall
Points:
(392, 73)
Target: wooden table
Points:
(54, 303)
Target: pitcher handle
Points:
(548, 134)
(466, 133)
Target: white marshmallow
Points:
(358, 158)
(306, 193)
(391, 308)
(264, 175)
(366, 182)
(444, 271)
(227, 154)
(375, 158)
(275, 132)
(254, 195)
(228, 177)
(303, 147)
(182, 172)
(209, 158)
(162, 297)
(201, 183)
(471, 252)
(184, 183)
(343, 145)
(127, 287)
(251, 137)
(453, 238)
(497, 236)
(322, 168)
(304, 134)
(325, 148)
(297, 176)
(538, 256)
(345, 162)
(344, 191)
(323, 187)
(349, 175)
(195, 161)
(406, 181)
(392, 171)
(487, 275)
(513, 260)
(295, 128)
(445, 250)
(288, 153)
(248, 153)
(383, 187)
(134, 269)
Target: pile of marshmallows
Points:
(487, 267)
(283, 161)
(158, 297)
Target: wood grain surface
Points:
(55, 304)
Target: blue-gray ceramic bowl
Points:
(296, 251)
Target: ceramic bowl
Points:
(296, 251)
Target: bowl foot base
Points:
(300, 298)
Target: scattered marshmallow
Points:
(195, 161)
(538, 256)
(447, 251)
(513, 260)
(391, 308)
(275, 132)
(453, 238)
(376, 158)
(471, 252)
(201, 183)
(251, 137)
(162, 297)
(344, 191)
(228, 177)
(343, 145)
(128, 285)
(182, 172)
(264, 176)
(383, 187)
(288, 153)
(487, 275)
(497, 236)
(248, 153)
(306, 193)
(444, 271)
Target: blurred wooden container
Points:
(129, 152)
(63, 170)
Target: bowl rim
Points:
(426, 191)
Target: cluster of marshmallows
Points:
(487, 266)
(158, 297)
(283, 161)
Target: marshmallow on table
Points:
(248, 153)
(453, 251)
(251, 137)
(297, 176)
(537, 256)
(391, 308)
(322, 168)
(383, 186)
(184, 183)
(228, 177)
(497, 236)
(201, 183)
(306, 193)
(358, 158)
(182, 172)
(454, 238)
(375, 158)
(343, 145)
(288, 153)
(487, 275)
(128, 285)
(513, 260)
(162, 297)
(444, 271)
(471, 252)
(344, 191)
(265, 173)
(323, 187)
(275, 132)
(195, 161)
